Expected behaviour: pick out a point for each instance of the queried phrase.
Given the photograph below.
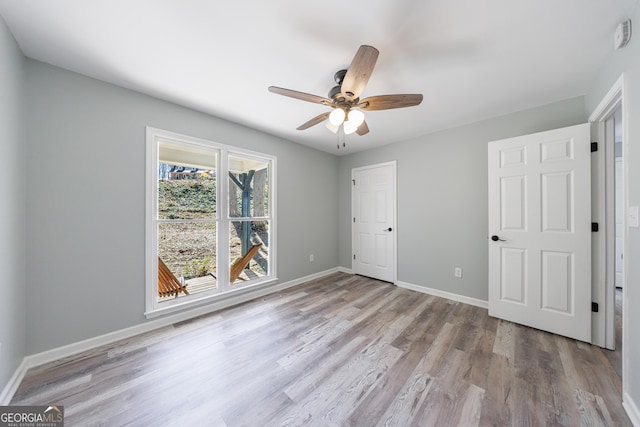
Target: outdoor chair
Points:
(242, 262)
(168, 285)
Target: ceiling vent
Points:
(622, 34)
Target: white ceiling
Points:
(471, 59)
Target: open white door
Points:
(373, 205)
(540, 231)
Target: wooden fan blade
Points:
(300, 95)
(359, 71)
(363, 129)
(388, 102)
(317, 119)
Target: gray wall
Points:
(627, 60)
(442, 197)
(13, 202)
(86, 202)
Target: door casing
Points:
(604, 244)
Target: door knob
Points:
(497, 239)
(388, 229)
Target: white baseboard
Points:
(12, 386)
(632, 409)
(345, 270)
(443, 294)
(38, 359)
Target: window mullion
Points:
(223, 221)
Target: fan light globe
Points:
(349, 127)
(337, 116)
(356, 117)
(333, 128)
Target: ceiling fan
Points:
(347, 115)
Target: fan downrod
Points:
(339, 78)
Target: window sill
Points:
(217, 301)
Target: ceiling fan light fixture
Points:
(347, 115)
(356, 117)
(337, 116)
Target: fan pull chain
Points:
(341, 136)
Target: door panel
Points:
(513, 213)
(364, 249)
(381, 248)
(381, 205)
(557, 281)
(540, 211)
(556, 201)
(513, 277)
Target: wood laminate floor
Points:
(342, 350)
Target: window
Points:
(199, 247)
(249, 211)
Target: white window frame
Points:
(152, 307)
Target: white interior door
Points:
(373, 205)
(540, 228)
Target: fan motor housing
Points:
(339, 78)
(335, 91)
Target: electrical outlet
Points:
(457, 272)
(311, 258)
